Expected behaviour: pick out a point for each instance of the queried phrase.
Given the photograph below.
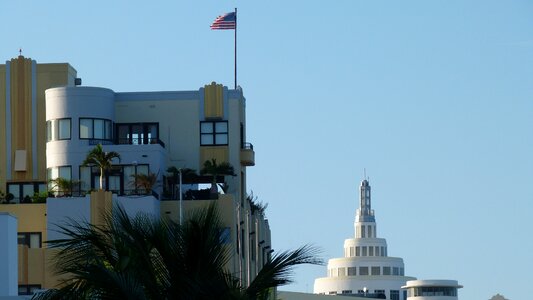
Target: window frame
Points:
(92, 132)
(53, 130)
(27, 239)
(214, 133)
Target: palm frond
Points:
(278, 271)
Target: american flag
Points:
(227, 21)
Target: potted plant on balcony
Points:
(103, 160)
(63, 187)
(144, 182)
(6, 198)
(211, 167)
(187, 176)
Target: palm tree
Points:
(211, 167)
(145, 182)
(103, 160)
(63, 186)
(146, 258)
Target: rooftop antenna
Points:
(364, 170)
(20, 51)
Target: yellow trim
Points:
(21, 118)
(213, 101)
(3, 157)
(220, 153)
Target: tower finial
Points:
(20, 51)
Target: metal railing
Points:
(247, 146)
(127, 141)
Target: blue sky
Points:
(433, 98)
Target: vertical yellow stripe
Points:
(3, 158)
(214, 101)
(21, 117)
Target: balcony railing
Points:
(248, 146)
(247, 154)
(128, 141)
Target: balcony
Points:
(247, 155)
(128, 141)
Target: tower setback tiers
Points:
(366, 269)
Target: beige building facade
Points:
(52, 122)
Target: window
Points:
(351, 271)
(379, 292)
(363, 231)
(252, 249)
(386, 271)
(401, 272)
(99, 129)
(24, 191)
(364, 250)
(225, 235)
(64, 172)
(138, 133)
(86, 128)
(48, 131)
(58, 129)
(64, 129)
(85, 178)
(395, 295)
(363, 271)
(375, 271)
(61, 188)
(346, 291)
(213, 133)
(433, 291)
(395, 271)
(30, 239)
(370, 250)
(351, 251)
(377, 251)
(357, 251)
(342, 272)
(28, 289)
(242, 243)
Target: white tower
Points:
(366, 269)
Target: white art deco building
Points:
(366, 269)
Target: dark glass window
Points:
(213, 133)
(58, 129)
(30, 239)
(137, 133)
(28, 289)
(99, 129)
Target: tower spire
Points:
(365, 212)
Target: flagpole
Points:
(235, 48)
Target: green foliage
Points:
(144, 182)
(40, 197)
(6, 198)
(62, 186)
(187, 174)
(147, 258)
(103, 160)
(256, 206)
(211, 167)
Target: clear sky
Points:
(433, 97)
